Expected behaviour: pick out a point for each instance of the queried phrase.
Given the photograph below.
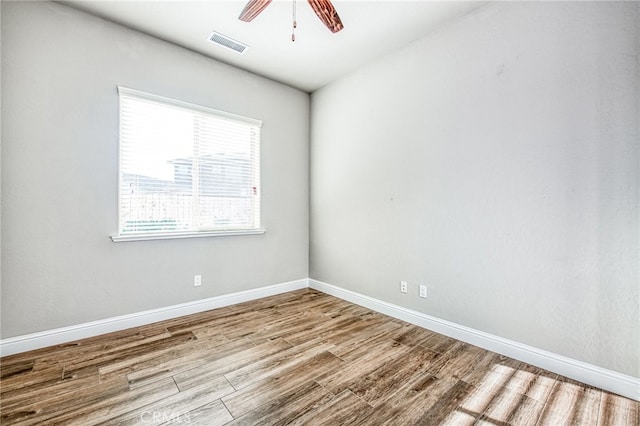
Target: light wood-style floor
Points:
(297, 358)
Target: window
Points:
(185, 170)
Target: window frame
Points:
(163, 235)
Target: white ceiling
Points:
(317, 57)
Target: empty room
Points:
(320, 212)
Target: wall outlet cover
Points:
(423, 291)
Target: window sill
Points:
(180, 235)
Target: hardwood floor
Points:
(297, 358)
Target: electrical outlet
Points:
(403, 286)
(423, 291)
(197, 280)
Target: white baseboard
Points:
(57, 336)
(609, 380)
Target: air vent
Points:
(227, 42)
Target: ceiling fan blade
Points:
(327, 14)
(253, 9)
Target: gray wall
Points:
(496, 161)
(60, 69)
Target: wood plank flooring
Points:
(297, 358)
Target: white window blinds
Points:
(186, 168)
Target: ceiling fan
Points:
(323, 8)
